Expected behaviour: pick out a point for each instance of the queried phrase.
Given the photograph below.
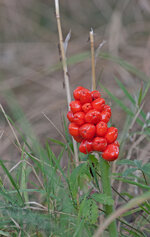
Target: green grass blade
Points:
(11, 179)
(140, 96)
(57, 142)
(124, 64)
(3, 233)
(23, 184)
(146, 90)
(121, 104)
(128, 95)
(133, 183)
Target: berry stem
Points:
(65, 69)
(62, 50)
(106, 185)
(93, 59)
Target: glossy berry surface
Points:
(85, 96)
(78, 139)
(116, 143)
(74, 129)
(79, 118)
(107, 109)
(105, 116)
(76, 92)
(98, 104)
(75, 106)
(89, 117)
(101, 129)
(85, 146)
(111, 153)
(111, 135)
(70, 116)
(93, 116)
(87, 131)
(95, 94)
(86, 107)
(99, 144)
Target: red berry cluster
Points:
(89, 116)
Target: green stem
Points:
(106, 185)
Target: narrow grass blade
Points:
(23, 184)
(130, 68)
(11, 179)
(133, 183)
(122, 105)
(128, 95)
(3, 233)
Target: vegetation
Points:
(49, 193)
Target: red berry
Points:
(74, 129)
(93, 116)
(111, 135)
(85, 96)
(107, 108)
(95, 94)
(70, 116)
(87, 131)
(85, 146)
(111, 153)
(105, 116)
(101, 129)
(116, 143)
(86, 107)
(75, 106)
(99, 144)
(76, 92)
(98, 104)
(79, 118)
(78, 139)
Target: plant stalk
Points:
(93, 60)
(65, 69)
(106, 185)
(104, 165)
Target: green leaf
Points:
(146, 168)
(93, 159)
(134, 234)
(128, 171)
(122, 105)
(93, 163)
(128, 95)
(127, 194)
(78, 228)
(138, 164)
(133, 183)
(146, 90)
(140, 96)
(125, 162)
(124, 64)
(89, 211)
(57, 142)
(81, 170)
(11, 179)
(23, 178)
(132, 211)
(103, 199)
(2, 233)
(66, 130)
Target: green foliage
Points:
(103, 199)
(89, 211)
(41, 197)
(78, 172)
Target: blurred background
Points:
(31, 83)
